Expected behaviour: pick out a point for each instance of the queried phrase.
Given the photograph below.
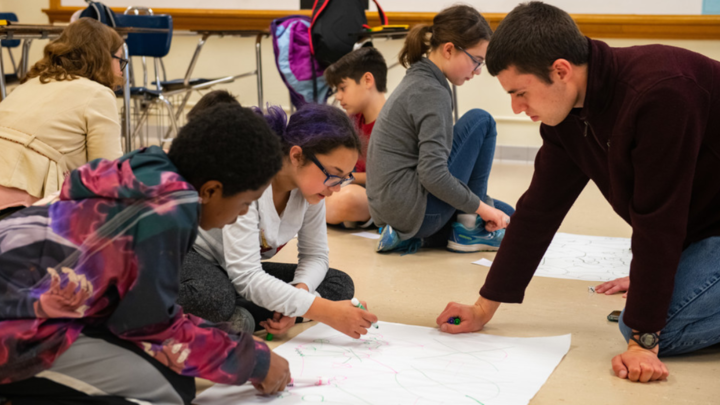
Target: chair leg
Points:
(12, 60)
(258, 70)
(127, 126)
(3, 91)
(25, 61)
(140, 122)
(173, 122)
(179, 110)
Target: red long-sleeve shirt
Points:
(648, 135)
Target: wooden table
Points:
(204, 35)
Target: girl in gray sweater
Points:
(422, 170)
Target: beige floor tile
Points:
(414, 289)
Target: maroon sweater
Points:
(649, 136)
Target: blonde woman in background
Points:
(62, 116)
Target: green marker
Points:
(269, 337)
(356, 303)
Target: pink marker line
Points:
(385, 365)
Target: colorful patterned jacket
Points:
(108, 255)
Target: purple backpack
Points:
(301, 73)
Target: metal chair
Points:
(143, 17)
(148, 45)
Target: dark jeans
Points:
(693, 320)
(470, 161)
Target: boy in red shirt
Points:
(360, 80)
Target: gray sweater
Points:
(409, 150)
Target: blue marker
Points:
(357, 304)
(454, 321)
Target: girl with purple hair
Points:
(224, 278)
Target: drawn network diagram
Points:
(582, 257)
(401, 364)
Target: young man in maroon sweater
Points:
(643, 123)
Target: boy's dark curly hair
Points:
(229, 144)
(212, 99)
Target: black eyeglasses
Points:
(478, 65)
(332, 180)
(123, 62)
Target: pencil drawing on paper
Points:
(582, 257)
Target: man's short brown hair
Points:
(532, 37)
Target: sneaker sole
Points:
(460, 248)
(380, 247)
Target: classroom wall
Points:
(225, 56)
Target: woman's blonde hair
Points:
(461, 25)
(84, 49)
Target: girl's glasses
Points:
(123, 62)
(332, 180)
(478, 64)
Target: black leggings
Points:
(207, 292)
(4, 213)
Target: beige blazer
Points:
(49, 129)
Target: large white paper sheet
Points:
(368, 235)
(483, 262)
(582, 257)
(402, 364)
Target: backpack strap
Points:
(104, 12)
(97, 11)
(111, 16)
(316, 14)
(381, 14)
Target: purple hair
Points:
(317, 128)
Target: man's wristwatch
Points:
(646, 340)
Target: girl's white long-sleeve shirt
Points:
(260, 234)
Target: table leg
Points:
(25, 62)
(3, 92)
(258, 67)
(127, 127)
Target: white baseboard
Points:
(520, 154)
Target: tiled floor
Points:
(414, 289)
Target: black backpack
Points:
(334, 28)
(100, 12)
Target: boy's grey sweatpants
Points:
(102, 370)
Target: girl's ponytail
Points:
(416, 45)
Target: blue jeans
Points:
(470, 161)
(693, 320)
